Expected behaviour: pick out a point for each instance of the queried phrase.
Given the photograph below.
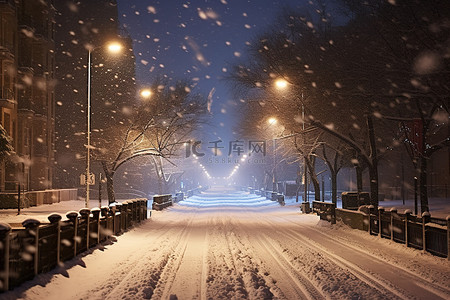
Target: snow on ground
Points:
(199, 249)
(232, 198)
(439, 207)
(41, 212)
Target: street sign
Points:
(91, 179)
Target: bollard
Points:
(393, 211)
(425, 219)
(54, 219)
(96, 215)
(407, 216)
(73, 217)
(32, 227)
(5, 230)
(85, 215)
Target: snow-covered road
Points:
(238, 246)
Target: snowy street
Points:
(239, 246)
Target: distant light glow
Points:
(281, 83)
(146, 93)
(272, 121)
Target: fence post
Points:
(112, 209)
(370, 208)
(407, 216)
(119, 223)
(104, 211)
(54, 219)
(85, 214)
(5, 230)
(125, 212)
(448, 237)
(96, 215)
(73, 217)
(393, 211)
(380, 213)
(425, 220)
(32, 227)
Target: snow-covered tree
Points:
(157, 128)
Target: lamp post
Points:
(114, 48)
(273, 121)
(282, 84)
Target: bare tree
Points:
(158, 128)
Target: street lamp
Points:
(282, 84)
(273, 121)
(113, 48)
(146, 93)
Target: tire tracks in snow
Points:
(407, 280)
(408, 285)
(368, 278)
(319, 270)
(224, 279)
(435, 287)
(169, 271)
(151, 259)
(293, 286)
(245, 259)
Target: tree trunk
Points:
(423, 184)
(109, 183)
(373, 174)
(316, 184)
(373, 168)
(299, 183)
(334, 187)
(312, 174)
(359, 178)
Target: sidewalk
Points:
(43, 211)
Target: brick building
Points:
(27, 91)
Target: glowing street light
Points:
(146, 93)
(113, 47)
(281, 83)
(272, 121)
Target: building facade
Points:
(27, 92)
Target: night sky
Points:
(198, 40)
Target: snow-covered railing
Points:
(161, 201)
(325, 210)
(425, 233)
(37, 248)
